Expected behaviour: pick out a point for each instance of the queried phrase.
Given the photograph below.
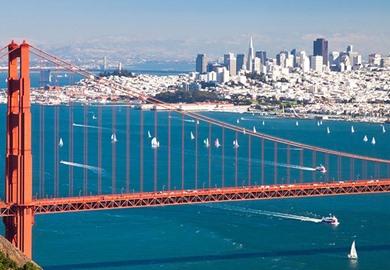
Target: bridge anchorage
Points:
(191, 161)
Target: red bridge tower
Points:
(18, 171)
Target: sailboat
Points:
(296, 123)
(254, 129)
(318, 123)
(216, 143)
(238, 121)
(383, 129)
(192, 136)
(352, 129)
(94, 116)
(353, 254)
(327, 130)
(149, 136)
(113, 138)
(155, 143)
(365, 139)
(206, 142)
(373, 140)
(61, 143)
(235, 144)
(263, 123)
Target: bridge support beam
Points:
(18, 171)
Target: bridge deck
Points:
(177, 197)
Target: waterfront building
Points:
(230, 63)
(201, 63)
(305, 64)
(316, 62)
(385, 62)
(240, 62)
(320, 47)
(249, 61)
(374, 59)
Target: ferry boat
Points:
(321, 168)
(331, 220)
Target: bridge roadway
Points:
(207, 195)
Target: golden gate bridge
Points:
(176, 169)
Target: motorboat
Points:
(330, 220)
(321, 168)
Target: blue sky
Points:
(212, 26)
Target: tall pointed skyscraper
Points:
(249, 62)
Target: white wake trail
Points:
(267, 213)
(88, 126)
(289, 166)
(89, 167)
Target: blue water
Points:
(237, 235)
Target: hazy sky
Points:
(211, 26)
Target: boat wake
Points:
(88, 126)
(292, 166)
(89, 167)
(267, 213)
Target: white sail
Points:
(206, 142)
(296, 123)
(254, 129)
(192, 136)
(263, 123)
(318, 123)
(238, 121)
(149, 136)
(383, 129)
(365, 139)
(373, 140)
(327, 130)
(60, 143)
(155, 143)
(235, 144)
(353, 254)
(216, 143)
(113, 138)
(352, 129)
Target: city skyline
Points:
(185, 28)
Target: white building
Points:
(374, 59)
(316, 62)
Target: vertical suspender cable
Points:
(113, 152)
(128, 160)
(249, 158)
(288, 163)
(85, 186)
(155, 150)
(70, 148)
(42, 152)
(275, 162)
(209, 161)
(223, 156)
(196, 153)
(301, 164)
(99, 131)
(262, 161)
(182, 151)
(236, 161)
(141, 152)
(169, 150)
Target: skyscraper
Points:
(230, 63)
(262, 55)
(201, 63)
(240, 62)
(249, 61)
(320, 47)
